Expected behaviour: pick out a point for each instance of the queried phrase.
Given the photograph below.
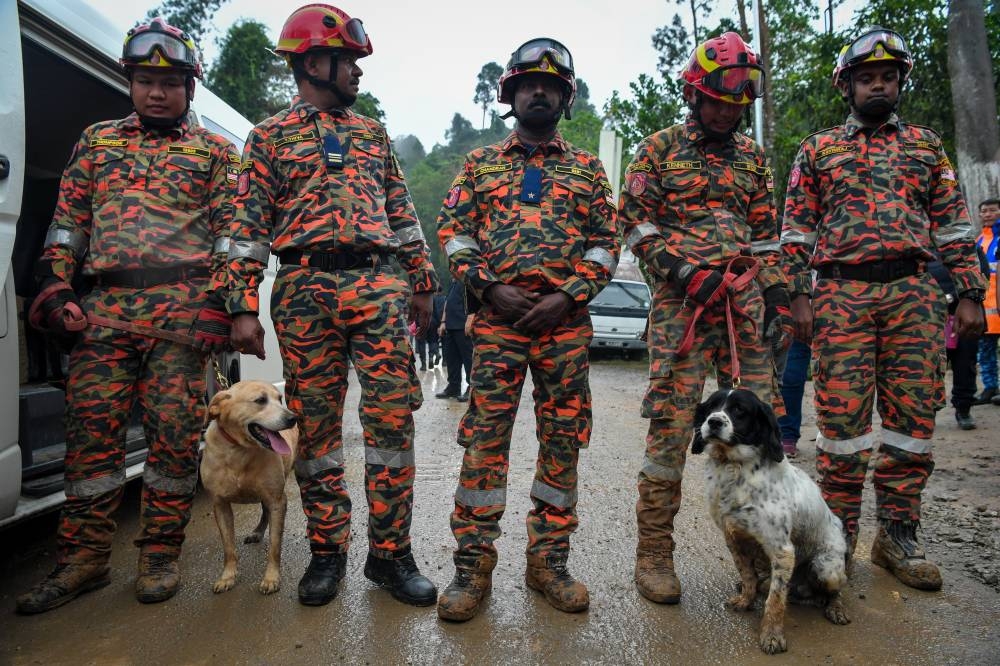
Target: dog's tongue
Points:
(278, 443)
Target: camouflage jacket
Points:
(703, 201)
(321, 182)
(540, 219)
(857, 196)
(131, 198)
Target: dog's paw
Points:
(741, 602)
(253, 537)
(835, 612)
(224, 584)
(269, 585)
(773, 641)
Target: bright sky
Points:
(427, 54)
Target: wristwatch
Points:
(974, 295)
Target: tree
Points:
(247, 76)
(977, 136)
(486, 87)
(409, 150)
(192, 16)
(368, 105)
(652, 106)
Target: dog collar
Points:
(227, 435)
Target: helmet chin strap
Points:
(873, 114)
(152, 123)
(712, 134)
(326, 84)
(560, 111)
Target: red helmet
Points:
(541, 55)
(725, 68)
(159, 44)
(322, 27)
(875, 44)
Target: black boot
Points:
(319, 584)
(402, 578)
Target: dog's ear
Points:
(700, 414)
(215, 407)
(768, 431)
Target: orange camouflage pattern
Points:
(290, 200)
(565, 239)
(142, 199)
(863, 197)
(708, 203)
(296, 193)
(132, 199)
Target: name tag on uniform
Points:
(531, 186)
(576, 171)
(188, 150)
(333, 152)
(109, 143)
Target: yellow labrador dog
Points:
(249, 449)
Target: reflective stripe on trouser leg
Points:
(900, 477)
(560, 368)
(109, 370)
(172, 392)
(498, 370)
(675, 388)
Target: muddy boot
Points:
(158, 578)
(461, 600)
(654, 574)
(551, 577)
(65, 583)
(897, 549)
(851, 538)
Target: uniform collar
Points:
(556, 144)
(306, 111)
(132, 122)
(853, 125)
(695, 135)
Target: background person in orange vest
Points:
(989, 218)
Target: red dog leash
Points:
(733, 281)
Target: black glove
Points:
(703, 285)
(778, 323)
(212, 327)
(56, 311)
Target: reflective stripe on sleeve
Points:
(953, 233)
(257, 251)
(74, 239)
(789, 236)
(459, 243)
(221, 245)
(410, 234)
(765, 246)
(639, 232)
(603, 257)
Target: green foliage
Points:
(247, 76)
(652, 106)
(486, 87)
(192, 16)
(368, 105)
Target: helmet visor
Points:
(865, 45)
(736, 79)
(354, 35)
(532, 52)
(172, 49)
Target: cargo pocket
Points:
(659, 396)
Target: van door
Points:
(11, 191)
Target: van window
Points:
(622, 299)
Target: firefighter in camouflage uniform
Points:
(698, 210)
(869, 204)
(321, 188)
(143, 214)
(530, 229)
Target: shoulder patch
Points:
(576, 171)
(100, 142)
(458, 182)
(493, 168)
(188, 150)
(233, 158)
(294, 138)
(947, 171)
(680, 165)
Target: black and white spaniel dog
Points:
(771, 513)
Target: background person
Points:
(989, 218)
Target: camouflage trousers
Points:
(675, 389)
(877, 344)
(322, 320)
(559, 363)
(110, 371)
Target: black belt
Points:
(873, 271)
(140, 278)
(342, 260)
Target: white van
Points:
(619, 314)
(60, 74)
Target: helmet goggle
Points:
(735, 80)
(352, 33)
(140, 48)
(532, 53)
(867, 47)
